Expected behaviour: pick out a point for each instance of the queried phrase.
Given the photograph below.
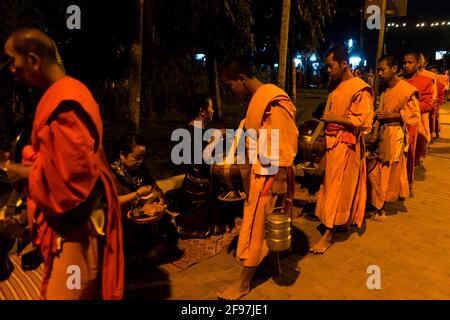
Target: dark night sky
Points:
(416, 8)
(429, 8)
(346, 25)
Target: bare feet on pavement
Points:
(235, 292)
(380, 216)
(321, 246)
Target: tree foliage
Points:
(311, 18)
(99, 53)
(217, 28)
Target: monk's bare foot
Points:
(321, 246)
(368, 215)
(235, 292)
(380, 216)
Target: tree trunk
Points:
(284, 36)
(213, 79)
(294, 81)
(380, 46)
(135, 79)
(288, 80)
(291, 58)
(218, 98)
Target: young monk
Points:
(423, 63)
(421, 134)
(270, 109)
(73, 209)
(399, 106)
(442, 86)
(349, 113)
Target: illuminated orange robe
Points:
(388, 179)
(436, 88)
(252, 246)
(342, 195)
(441, 87)
(425, 87)
(68, 161)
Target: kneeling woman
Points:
(155, 242)
(199, 217)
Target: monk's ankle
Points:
(244, 288)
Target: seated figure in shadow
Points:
(199, 216)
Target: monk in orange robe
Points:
(446, 79)
(399, 106)
(442, 87)
(426, 73)
(73, 208)
(436, 120)
(348, 116)
(420, 135)
(270, 109)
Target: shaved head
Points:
(413, 54)
(33, 58)
(422, 62)
(27, 41)
(411, 63)
(390, 59)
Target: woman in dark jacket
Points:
(156, 242)
(199, 217)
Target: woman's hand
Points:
(144, 191)
(4, 157)
(17, 173)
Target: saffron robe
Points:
(425, 87)
(441, 85)
(68, 162)
(270, 109)
(388, 179)
(342, 196)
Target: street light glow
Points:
(355, 61)
(350, 43)
(200, 56)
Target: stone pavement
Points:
(410, 248)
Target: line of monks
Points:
(405, 122)
(73, 207)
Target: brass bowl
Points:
(148, 213)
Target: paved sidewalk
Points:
(410, 248)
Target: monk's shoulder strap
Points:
(276, 103)
(268, 110)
